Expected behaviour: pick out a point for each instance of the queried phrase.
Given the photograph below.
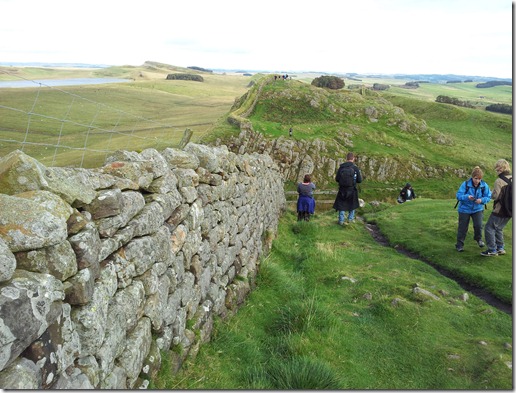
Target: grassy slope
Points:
(149, 107)
(429, 228)
(473, 136)
(308, 325)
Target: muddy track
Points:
(477, 291)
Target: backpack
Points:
(346, 176)
(505, 198)
(467, 188)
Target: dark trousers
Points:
(462, 230)
(494, 232)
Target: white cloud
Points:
(470, 37)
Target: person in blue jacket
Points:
(472, 195)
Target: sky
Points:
(461, 37)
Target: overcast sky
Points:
(464, 37)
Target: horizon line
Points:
(239, 69)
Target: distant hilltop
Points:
(431, 78)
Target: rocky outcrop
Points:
(102, 269)
(295, 103)
(295, 158)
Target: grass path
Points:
(333, 309)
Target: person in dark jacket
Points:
(472, 195)
(407, 193)
(305, 200)
(497, 221)
(347, 197)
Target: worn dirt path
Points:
(477, 291)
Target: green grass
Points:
(429, 227)
(147, 112)
(335, 310)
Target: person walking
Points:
(472, 195)
(348, 176)
(493, 231)
(305, 200)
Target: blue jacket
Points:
(466, 188)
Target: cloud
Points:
(432, 36)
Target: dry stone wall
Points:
(102, 269)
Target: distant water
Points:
(60, 82)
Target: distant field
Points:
(150, 111)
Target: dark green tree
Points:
(500, 108)
(330, 82)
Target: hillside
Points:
(396, 137)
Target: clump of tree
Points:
(453, 101)
(185, 77)
(380, 86)
(500, 108)
(330, 82)
(412, 84)
(493, 84)
(199, 69)
(454, 81)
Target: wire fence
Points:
(65, 128)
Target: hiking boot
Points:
(459, 248)
(488, 253)
(501, 252)
(481, 244)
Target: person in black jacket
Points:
(407, 193)
(348, 175)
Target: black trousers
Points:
(462, 230)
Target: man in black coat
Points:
(348, 175)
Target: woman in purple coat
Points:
(305, 201)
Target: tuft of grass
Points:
(302, 374)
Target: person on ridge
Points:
(472, 195)
(407, 193)
(493, 231)
(305, 200)
(348, 176)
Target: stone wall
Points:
(297, 157)
(102, 269)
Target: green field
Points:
(80, 125)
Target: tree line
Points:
(453, 101)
